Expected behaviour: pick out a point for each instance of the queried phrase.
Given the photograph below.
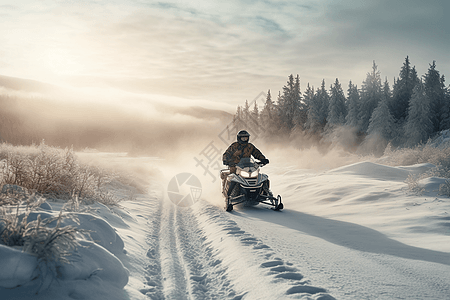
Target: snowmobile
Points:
(248, 186)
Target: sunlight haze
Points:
(217, 51)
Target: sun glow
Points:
(64, 62)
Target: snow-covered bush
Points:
(424, 153)
(44, 254)
(444, 189)
(12, 195)
(413, 184)
(54, 172)
(48, 243)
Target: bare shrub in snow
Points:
(413, 184)
(11, 196)
(49, 243)
(425, 153)
(107, 198)
(12, 228)
(55, 173)
(444, 189)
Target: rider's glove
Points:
(264, 161)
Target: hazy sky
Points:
(221, 51)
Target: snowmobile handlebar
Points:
(261, 164)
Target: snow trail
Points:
(172, 267)
(255, 269)
(199, 252)
(188, 269)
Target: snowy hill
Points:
(354, 232)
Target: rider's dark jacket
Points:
(236, 151)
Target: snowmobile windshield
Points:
(248, 164)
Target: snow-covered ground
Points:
(354, 232)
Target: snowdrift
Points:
(94, 271)
(376, 196)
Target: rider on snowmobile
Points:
(241, 148)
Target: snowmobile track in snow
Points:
(183, 266)
(270, 270)
(199, 252)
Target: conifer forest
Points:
(366, 118)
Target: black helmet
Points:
(243, 137)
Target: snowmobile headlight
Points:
(254, 174)
(245, 174)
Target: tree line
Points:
(409, 113)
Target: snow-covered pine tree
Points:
(402, 91)
(266, 112)
(313, 115)
(285, 112)
(434, 86)
(268, 116)
(254, 121)
(337, 109)
(418, 126)
(308, 96)
(445, 122)
(382, 122)
(324, 101)
(246, 112)
(318, 110)
(289, 103)
(353, 100)
(301, 113)
(238, 119)
(386, 90)
(381, 128)
(397, 131)
(370, 96)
